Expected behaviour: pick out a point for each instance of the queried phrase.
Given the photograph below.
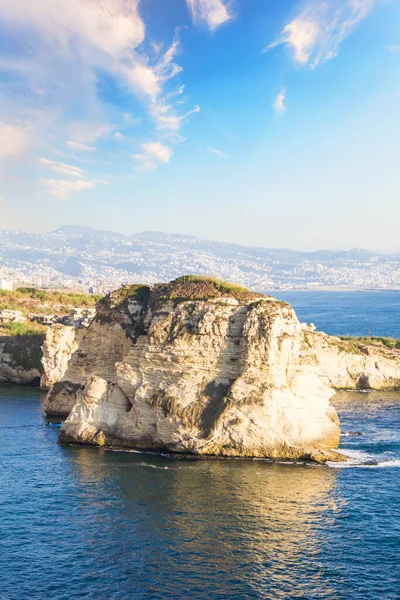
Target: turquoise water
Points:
(86, 523)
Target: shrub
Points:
(23, 329)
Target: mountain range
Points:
(86, 255)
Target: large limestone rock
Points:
(60, 344)
(197, 368)
(62, 340)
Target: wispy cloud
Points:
(217, 152)
(60, 167)
(79, 146)
(64, 188)
(211, 12)
(13, 140)
(3, 203)
(63, 59)
(394, 48)
(79, 179)
(317, 32)
(279, 103)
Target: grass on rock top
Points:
(187, 287)
(29, 299)
(30, 329)
(374, 340)
(197, 287)
(137, 292)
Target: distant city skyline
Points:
(264, 124)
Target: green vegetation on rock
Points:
(27, 299)
(29, 329)
(385, 341)
(25, 351)
(197, 287)
(137, 292)
(219, 284)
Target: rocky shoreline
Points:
(202, 368)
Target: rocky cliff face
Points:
(350, 364)
(20, 359)
(59, 345)
(197, 368)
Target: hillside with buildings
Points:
(92, 261)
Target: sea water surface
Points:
(348, 313)
(85, 523)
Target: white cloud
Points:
(394, 48)
(316, 33)
(212, 12)
(165, 119)
(145, 81)
(79, 146)
(118, 135)
(106, 27)
(13, 140)
(60, 167)
(67, 44)
(153, 154)
(279, 103)
(217, 152)
(64, 188)
(157, 151)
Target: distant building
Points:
(6, 284)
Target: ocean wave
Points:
(361, 459)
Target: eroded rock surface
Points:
(351, 364)
(20, 359)
(62, 340)
(197, 369)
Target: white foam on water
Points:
(144, 464)
(360, 459)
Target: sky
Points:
(270, 123)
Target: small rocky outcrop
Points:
(20, 359)
(197, 367)
(353, 364)
(27, 358)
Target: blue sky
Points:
(263, 122)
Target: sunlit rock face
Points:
(60, 344)
(197, 368)
(352, 364)
(62, 339)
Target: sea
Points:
(87, 523)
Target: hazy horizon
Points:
(201, 239)
(259, 123)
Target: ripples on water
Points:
(86, 523)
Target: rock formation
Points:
(26, 359)
(20, 359)
(203, 368)
(62, 340)
(60, 344)
(353, 364)
(197, 368)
